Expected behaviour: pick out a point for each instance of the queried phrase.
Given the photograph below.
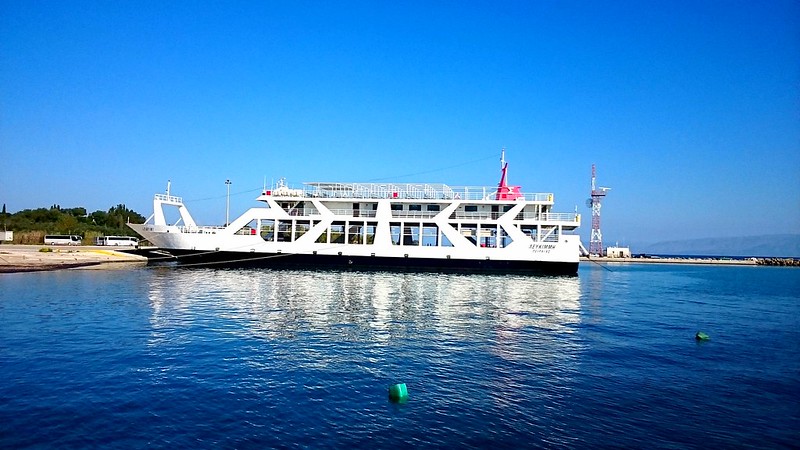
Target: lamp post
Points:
(227, 202)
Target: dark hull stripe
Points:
(344, 262)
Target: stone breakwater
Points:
(32, 258)
(790, 262)
(687, 260)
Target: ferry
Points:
(379, 226)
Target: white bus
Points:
(58, 239)
(117, 241)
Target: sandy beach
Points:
(29, 258)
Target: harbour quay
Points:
(32, 258)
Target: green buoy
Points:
(700, 336)
(398, 392)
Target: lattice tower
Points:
(595, 202)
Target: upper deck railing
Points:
(169, 198)
(400, 191)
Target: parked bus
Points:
(117, 241)
(58, 239)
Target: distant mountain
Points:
(776, 245)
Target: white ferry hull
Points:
(216, 250)
(372, 263)
(379, 227)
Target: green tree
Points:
(99, 218)
(74, 220)
(67, 224)
(77, 212)
(119, 215)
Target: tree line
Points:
(58, 220)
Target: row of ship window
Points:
(401, 233)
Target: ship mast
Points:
(504, 191)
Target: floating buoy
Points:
(700, 336)
(398, 392)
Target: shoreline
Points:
(687, 260)
(28, 258)
(15, 258)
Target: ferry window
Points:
(355, 234)
(549, 234)
(394, 230)
(371, 227)
(397, 206)
(470, 208)
(488, 236)
(284, 231)
(470, 231)
(446, 242)
(507, 208)
(505, 240)
(411, 234)
(296, 209)
(268, 230)
(323, 238)
(430, 235)
(433, 208)
(301, 227)
(415, 207)
(530, 230)
(337, 233)
(248, 229)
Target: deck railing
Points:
(551, 217)
(169, 198)
(400, 191)
(354, 212)
(415, 214)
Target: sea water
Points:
(163, 357)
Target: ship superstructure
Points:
(384, 226)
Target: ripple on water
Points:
(229, 358)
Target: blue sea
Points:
(163, 357)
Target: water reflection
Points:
(362, 307)
(280, 303)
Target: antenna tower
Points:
(597, 194)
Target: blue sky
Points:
(689, 109)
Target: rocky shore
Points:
(790, 262)
(689, 260)
(32, 258)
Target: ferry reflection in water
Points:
(375, 308)
(480, 353)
